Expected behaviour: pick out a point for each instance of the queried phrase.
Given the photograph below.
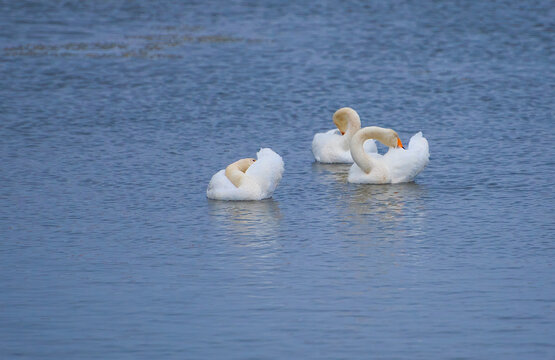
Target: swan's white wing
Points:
(370, 146)
(327, 148)
(266, 171)
(404, 165)
(221, 188)
(378, 175)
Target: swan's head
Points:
(391, 139)
(244, 164)
(343, 117)
(235, 172)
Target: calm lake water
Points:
(114, 116)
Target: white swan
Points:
(396, 166)
(248, 179)
(333, 146)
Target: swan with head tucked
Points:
(398, 165)
(333, 145)
(248, 179)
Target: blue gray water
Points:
(114, 116)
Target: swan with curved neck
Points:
(236, 172)
(388, 137)
(396, 166)
(333, 146)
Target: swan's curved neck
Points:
(361, 158)
(353, 125)
(236, 172)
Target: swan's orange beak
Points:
(342, 132)
(399, 143)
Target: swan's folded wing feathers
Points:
(370, 146)
(404, 165)
(266, 171)
(220, 187)
(329, 147)
(334, 132)
(324, 144)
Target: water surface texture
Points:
(115, 114)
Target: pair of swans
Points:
(256, 179)
(349, 143)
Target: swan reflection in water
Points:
(394, 210)
(256, 219)
(331, 173)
